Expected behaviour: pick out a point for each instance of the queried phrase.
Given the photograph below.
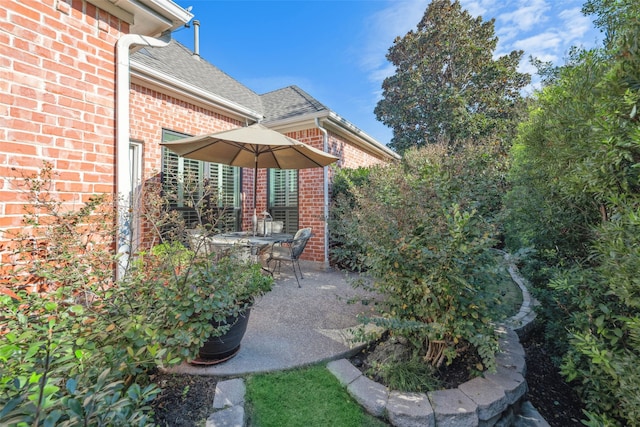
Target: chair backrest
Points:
(299, 242)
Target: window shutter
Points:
(182, 182)
(283, 197)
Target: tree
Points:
(575, 198)
(447, 86)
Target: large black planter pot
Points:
(227, 345)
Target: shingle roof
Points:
(179, 62)
(289, 102)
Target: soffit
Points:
(146, 17)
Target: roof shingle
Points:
(180, 63)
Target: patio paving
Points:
(291, 327)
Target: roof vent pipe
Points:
(196, 37)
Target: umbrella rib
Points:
(200, 148)
(294, 147)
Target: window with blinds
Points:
(283, 197)
(184, 180)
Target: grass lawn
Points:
(305, 397)
(505, 292)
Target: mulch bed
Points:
(549, 393)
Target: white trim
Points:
(123, 183)
(340, 125)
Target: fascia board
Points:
(169, 9)
(155, 16)
(338, 125)
(190, 93)
(365, 140)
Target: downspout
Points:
(123, 168)
(325, 190)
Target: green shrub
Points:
(345, 250)
(78, 347)
(575, 203)
(61, 362)
(427, 250)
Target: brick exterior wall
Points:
(57, 99)
(152, 111)
(57, 103)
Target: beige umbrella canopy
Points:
(254, 146)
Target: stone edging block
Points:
(229, 393)
(453, 408)
(228, 404)
(344, 371)
(410, 410)
(370, 394)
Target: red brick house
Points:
(94, 86)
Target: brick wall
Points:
(57, 97)
(152, 111)
(57, 103)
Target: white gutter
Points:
(325, 190)
(123, 168)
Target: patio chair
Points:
(289, 251)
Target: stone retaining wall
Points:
(493, 399)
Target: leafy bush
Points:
(575, 201)
(345, 251)
(78, 346)
(61, 360)
(427, 247)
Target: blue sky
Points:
(335, 49)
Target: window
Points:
(183, 179)
(283, 198)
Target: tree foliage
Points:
(447, 86)
(576, 200)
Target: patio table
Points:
(254, 243)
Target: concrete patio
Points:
(292, 326)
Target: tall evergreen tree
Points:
(447, 86)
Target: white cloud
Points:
(540, 45)
(574, 23)
(474, 7)
(397, 19)
(526, 17)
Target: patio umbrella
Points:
(254, 146)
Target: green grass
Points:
(307, 397)
(412, 375)
(505, 293)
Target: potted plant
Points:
(214, 294)
(212, 291)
